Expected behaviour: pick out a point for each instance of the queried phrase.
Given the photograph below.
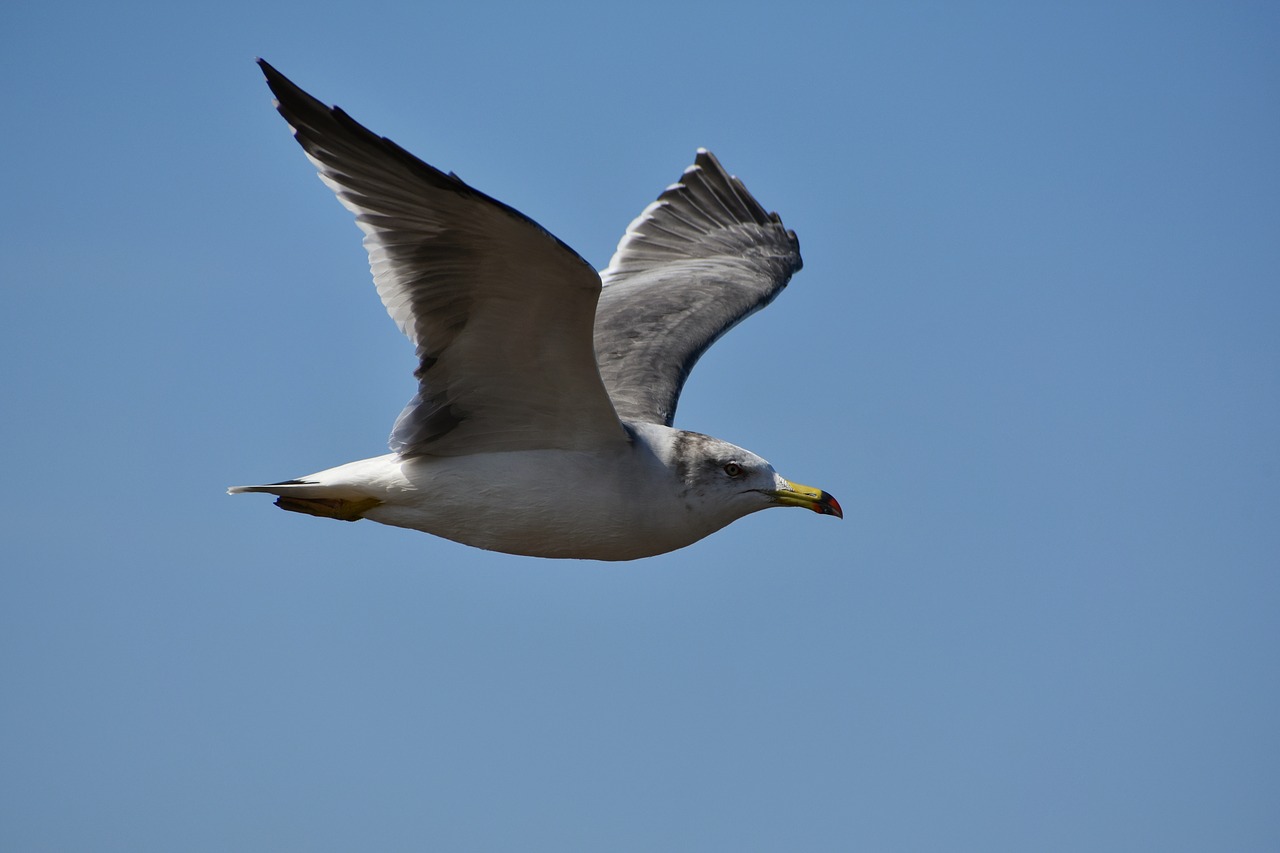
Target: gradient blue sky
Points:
(1035, 352)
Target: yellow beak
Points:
(794, 494)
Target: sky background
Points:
(1034, 351)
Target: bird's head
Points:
(716, 474)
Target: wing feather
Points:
(499, 311)
(693, 265)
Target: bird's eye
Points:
(733, 469)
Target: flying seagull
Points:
(542, 424)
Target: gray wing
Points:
(694, 264)
(500, 311)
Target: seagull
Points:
(542, 424)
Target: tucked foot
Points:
(342, 509)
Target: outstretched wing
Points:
(500, 311)
(694, 264)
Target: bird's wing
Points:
(694, 264)
(500, 311)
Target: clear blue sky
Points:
(1035, 352)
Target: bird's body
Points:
(634, 500)
(542, 423)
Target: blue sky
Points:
(1033, 351)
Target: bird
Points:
(542, 425)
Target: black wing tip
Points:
(312, 121)
(708, 169)
(275, 80)
(291, 100)
(707, 212)
(704, 159)
(310, 118)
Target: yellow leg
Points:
(342, 509)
